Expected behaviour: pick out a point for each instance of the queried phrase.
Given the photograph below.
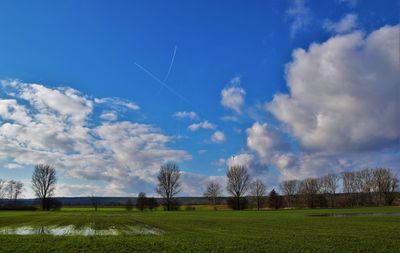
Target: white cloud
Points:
(299, 15)
(109, 115)
(265, 141)
(39, 124)
(346, 24)
(202, 125)
(232, 97)
(343, 93)
(218, 137)
(185, 114)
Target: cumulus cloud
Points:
(299, 15)
(344, 93)
(344, 25)
(218, 137)
(202, 125)
(232, 97)
(265, 141)
(185, 114)
(39, 124)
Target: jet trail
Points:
(165, 85)
(170, 65)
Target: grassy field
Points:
(210, 231)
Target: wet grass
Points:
(211, 231)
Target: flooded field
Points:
(353, 214)
(82, 231)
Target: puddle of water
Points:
(352, 214)
(84, 231)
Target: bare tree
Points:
(386, 184)
(95, 202)
(13, 189)
(329, 185)
(290, 188)
(213, 192)
(310, 187)
(258, 190)
(169, 184)
(44, 183)
(2, 188)
(238, 183)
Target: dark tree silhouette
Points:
(43, 183)
(169, 184)
(274, 200)
(238, 183)
(142, 201)
(94, 201)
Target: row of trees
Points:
(364, 187)
(10, 190)
(359, 188)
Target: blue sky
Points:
(228, 62)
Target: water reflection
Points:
(352, 214)
(83, 231)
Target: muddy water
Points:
(83, 231)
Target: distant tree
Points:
(258, 190)
(290, 188)
(274, 200)
(129, 204)
(95, 202)
(386, 184)
(309, 188)
(152, 203)
(142, 201)
(169, 184)
(213, 192)
(238, 183)
(2, 188)
(13, 189)
(329, 185)
(44, 182)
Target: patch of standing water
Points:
(352, 214)
(83, 231)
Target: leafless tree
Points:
(44, 182)
(238, 182)
(290, 188)
(310, 187)
(258, 190)
(386, 184)
(213, 192)
(13, 189)
(329, 185)
(95, 202)
(2, 188)
(169, 184)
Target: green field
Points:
(209, 231)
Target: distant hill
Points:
(108, 201)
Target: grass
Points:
(210, 231)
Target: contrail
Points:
(171, 64)
(165, 85)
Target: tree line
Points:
(365, 187)
(358, 188)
